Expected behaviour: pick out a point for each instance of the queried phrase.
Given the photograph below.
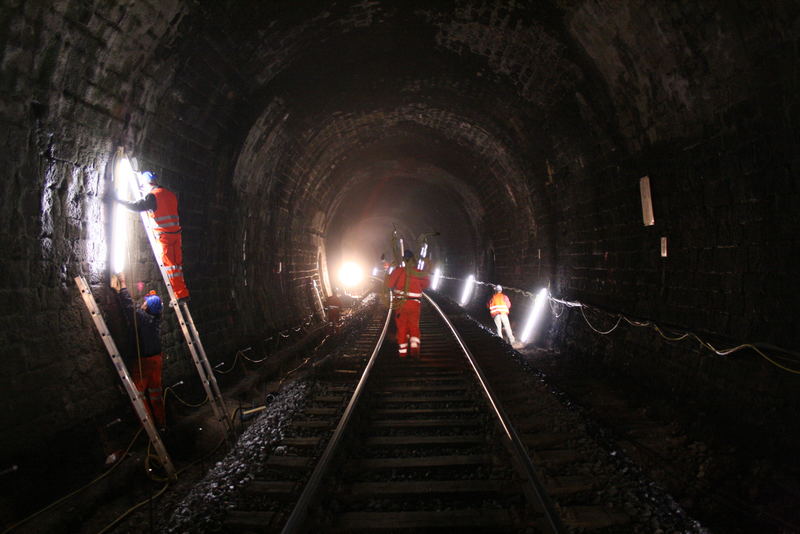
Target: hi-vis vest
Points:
(498, 304)
(407, 285)
(166, 214)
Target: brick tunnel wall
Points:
(711, 117)
(67, 101)
(79, 79)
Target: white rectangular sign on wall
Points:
(647, 201)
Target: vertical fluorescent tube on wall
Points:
(647, 201)
(423, 251)
(120, 237)
(437, 277)
(535, 315)
(123, 176)
(319, 298)
(467, 293)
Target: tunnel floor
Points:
(712, 472)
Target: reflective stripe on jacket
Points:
(499, 303)
(166, 212)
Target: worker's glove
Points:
(117, 281)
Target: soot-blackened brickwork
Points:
(266, 118)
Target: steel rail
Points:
(543, 503)
(297, 518)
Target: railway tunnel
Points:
(299, 135)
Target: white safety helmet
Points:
(498, 289)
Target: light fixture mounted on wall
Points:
(647, 201)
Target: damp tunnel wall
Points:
(538, 122)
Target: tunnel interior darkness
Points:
(297, 135)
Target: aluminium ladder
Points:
(137, 398)
(198, 353)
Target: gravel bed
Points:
(204, 508)
(627, 488)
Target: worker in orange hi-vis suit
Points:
(499, 306)
(162, 205)
(407, 284)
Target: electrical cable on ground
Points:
(132, 509)
(169, 389)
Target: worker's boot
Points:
(414, 352)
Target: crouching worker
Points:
(144, 325)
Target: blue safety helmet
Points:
(407, 255)
(150, 176)
(153, 302)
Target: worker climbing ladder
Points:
(198, 353)
(137, 399)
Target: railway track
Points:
(459, 440)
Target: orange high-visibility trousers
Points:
(172, 258)
(407, 320)
(148, 383)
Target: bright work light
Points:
(437, 277)
(351, 274)
(535, 315)
(422, 253)
(468, 285)
(123, 177)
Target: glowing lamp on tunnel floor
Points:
(351, 274)
(123, 179)
(535, 316)
(467, 293)
(437, 277)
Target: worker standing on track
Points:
(144, 324)
(162, 205)
(499, 306)
(407, 284)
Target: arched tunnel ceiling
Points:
(390, 79)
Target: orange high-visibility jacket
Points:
(166, 213)
(407, 286)
(499, 303)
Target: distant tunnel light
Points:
(351, 274)
(437, 277)
(535, 316)
(467, 293)
(123, 179)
